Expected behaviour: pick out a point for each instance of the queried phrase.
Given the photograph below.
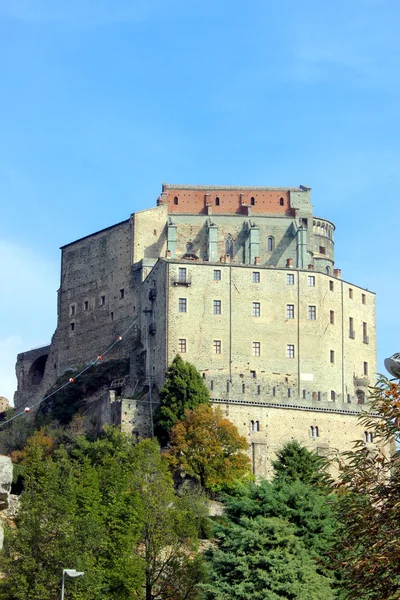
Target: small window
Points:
(312, 313)
(290, 351)
(252, 201)
(322, 249)
(256, 309)
(270, 244)
(363, 298)
(217, 346)
(252, 374)
(348, 399)
(257, 425)
(360, 397)
(289, 393)
(319, 396)
(304, 394)
(332, 317)
(314, 431)
(256, 276)
(227, 386)
(332, 355)
(368, 437)
(217, 201)
(365, 368)
(252, 426)
(281, 202)
(290, 279)
(333, 396)
(259, 389)
(182, 347)
(102, 300)
(311, 280)
(72, 326)
(217, 275)
(328, 270)
(331, 286)
(274, 391)
(350, 293)
(72, 310)
(112, 316)
(182, 305)
(86, 305)
(176, 200)
(216, 307)
(243, 388)
(182, 274)
(211, 385)
(204, 375)
(290, 311)
(121, 294)
(256, 348)
(365, 329)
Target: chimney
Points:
(289, 263)
(311, 267)
(257, 260)
(222, 259)
(337, 273)
(168, 253)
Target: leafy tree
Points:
(367, 548)
(262, 559)
(295, 462)
(184, 389)
(207, 446)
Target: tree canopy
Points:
(208, 446)
(184, 389)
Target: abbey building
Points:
(241, 281)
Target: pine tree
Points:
(184, 389)
(294, 461)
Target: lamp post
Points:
(70, 573)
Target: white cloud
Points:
(27, 306)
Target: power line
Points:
(71, 380)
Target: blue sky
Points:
(103, 101)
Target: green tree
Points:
(367, 550)
(207, 446)
(295, 462)
(262, 559)
(184, 389)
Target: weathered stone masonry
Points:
(242, 283)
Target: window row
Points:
(217, 349)
(85, 305)
(217, 201)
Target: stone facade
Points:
(242, 283)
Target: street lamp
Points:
(70, 573)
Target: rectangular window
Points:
(290, 351)
(252, 374)
(256, 348)
(290, 311)
(217, 275)
(363, 299)
(217, 307)
(182, 346)
(350, 293)
(217, 346)
(72, 326)
(182, 274)
(312, 313)
(333, 396)
(182, 305)
(121, 294)
(290, 279)
(102, 300)
(331, 286)
(365, 330)
(86, 305)
(256, 276)
(332, 317)
(304, 394)
(72, 310)
(348, 399)
(332, 353)
(322, 249)
(365, 368)
(311, 280)
(256, 309)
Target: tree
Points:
(294, 462)
(262, 559)
(207, 446)
(367, 549)
(184, 389)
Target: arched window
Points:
(312, 431)
(281, 202)
(252, 425)
(270, 244)
(217, 201)
(328, 270)
(176, 200)
(316, 432)
(368, 437)
(257, 425)
(360, 397)
(229, 245)
(252, 201)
